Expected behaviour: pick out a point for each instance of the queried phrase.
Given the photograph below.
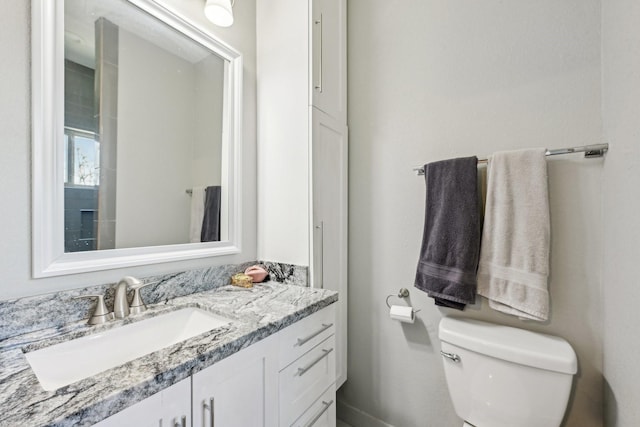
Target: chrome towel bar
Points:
(590, 151)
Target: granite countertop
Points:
(257, 313)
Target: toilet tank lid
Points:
(512, 344)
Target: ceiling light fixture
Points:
(220, 12)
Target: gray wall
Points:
(621, 207)
(434, 79)
(15, 162)
(79, 108)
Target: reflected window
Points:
(81, 184)
(82, 150)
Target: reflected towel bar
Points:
(596, 150)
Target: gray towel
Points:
(211, 220)
(451, 240)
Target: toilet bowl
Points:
(500, 376)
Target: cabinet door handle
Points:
(210, 407)
(325, 353)
(319, 256)
(182, 423)
(325, 406)
(451, 356)
(303, 341)
(319, 85)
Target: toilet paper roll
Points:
(402, 313)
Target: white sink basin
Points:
(71, 361)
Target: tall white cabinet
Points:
(328, 57)
(303, 144)
(329, 221)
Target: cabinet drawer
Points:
(305, 379)
(302, 336)
(322, 412)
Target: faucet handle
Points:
(100, 315)
(137, 304)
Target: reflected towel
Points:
(451, 238)
(211, 219)
(514, 257)
(197, 214)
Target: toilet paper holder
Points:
(402, 293)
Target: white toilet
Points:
(499, 376)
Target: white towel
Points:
(514, 255)
(197, 214)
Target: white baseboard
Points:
(357, 418)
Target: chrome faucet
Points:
(121, 305)
(120, 299)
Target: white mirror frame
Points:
(49, 258)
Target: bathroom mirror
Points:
(136, 137)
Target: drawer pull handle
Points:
(303, 341)
(325, 406)
(182, 423)
(451, 356)
(325, 353)
(210, 407)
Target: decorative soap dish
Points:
(242, 280)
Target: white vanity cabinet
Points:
(285, 379)
(303, 144)
(170, 407)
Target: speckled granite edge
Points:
(56, 310)
(257, 312)
(287, 273)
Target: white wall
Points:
(621, 207)
(156, 90)
(207, 148)
(435, 79)
(15, 162)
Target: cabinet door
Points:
(329, 187)
(163, 409)
(328, 57)
(176, 405)
(238, 391)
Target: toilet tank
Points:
(504, 376)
